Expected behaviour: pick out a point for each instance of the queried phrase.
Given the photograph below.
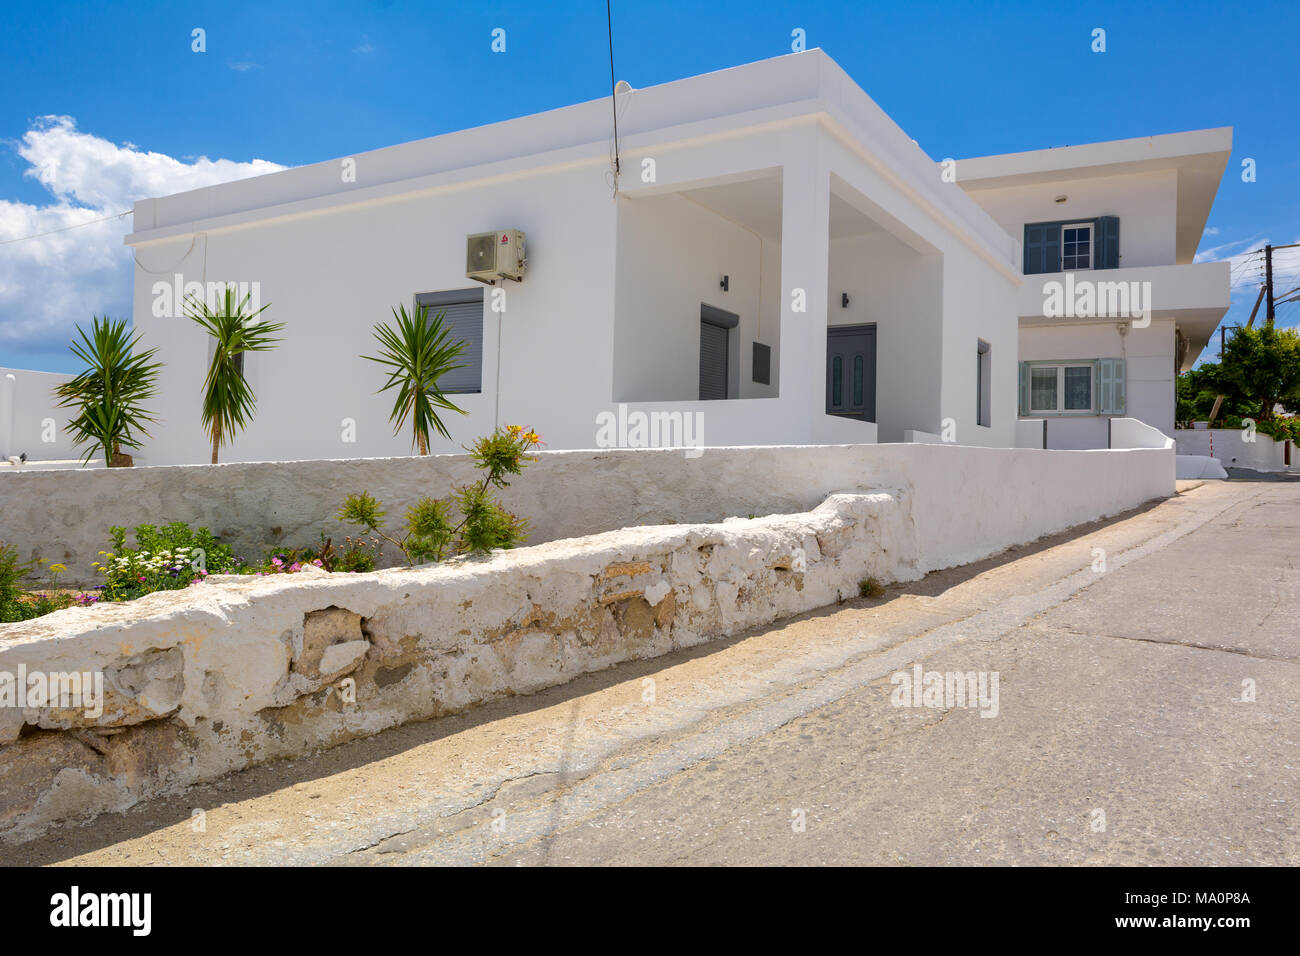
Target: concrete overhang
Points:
(1195, 296)
(1199, 157)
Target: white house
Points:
(775, 262)
(1113, 305)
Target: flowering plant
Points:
(164, 559)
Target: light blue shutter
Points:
(1024, 388)
(1110, 386)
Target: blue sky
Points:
(298, 82)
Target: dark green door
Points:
(851, 371)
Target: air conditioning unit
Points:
(495, 255)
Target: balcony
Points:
(1196, 295)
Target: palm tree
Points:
(109, 394)
(417, 352)
(228, 402)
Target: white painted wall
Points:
(672, 254)
(29, 414)
(331, 278)
(1231, 448)
(978, 304)
(1146, 204)
(1149, 371)
(901, 292)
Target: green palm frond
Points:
(110, 392)
(228, 401)
(417, 351)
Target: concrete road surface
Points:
(1147, 691)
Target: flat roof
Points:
(1198, 156)
(777, 90)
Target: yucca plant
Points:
(109, 394)
(417, 351)
(228, 401)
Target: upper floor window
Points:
(1076, 246)
(1070, 246)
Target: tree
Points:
(417, 351)
(228, 401)
(1197, 390)
(1264, 366)
(109, 394)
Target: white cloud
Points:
(51, 283)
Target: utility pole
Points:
(1268, 284)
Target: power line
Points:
(120, 215)
(613, 88)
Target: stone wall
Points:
(236, 671)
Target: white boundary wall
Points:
(1262, 454)
(965, 502)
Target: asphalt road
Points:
(1148, 688)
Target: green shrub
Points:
(164, 558)
(358, 554)
(18, 605)
(484, 525)
(870, 588)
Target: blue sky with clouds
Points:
(102, 103)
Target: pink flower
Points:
(203, 572)
(141, 577)
(295, 566)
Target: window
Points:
(983, 383)
(1079, 387)
(1071, 246)
(1076, 246)
(463, 319)
(1060, 388)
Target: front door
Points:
(851, 371)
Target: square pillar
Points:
(805, 258)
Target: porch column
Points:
(805, 249)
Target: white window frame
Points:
(1060, 408)
(1092, 240)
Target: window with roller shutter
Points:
(463, 318)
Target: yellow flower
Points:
(513, 429)
(533, 437)
(59, 567)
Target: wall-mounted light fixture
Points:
(844, 300)
(725, 283)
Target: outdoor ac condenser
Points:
(495, 255)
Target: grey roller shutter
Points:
(464, 321)
(713, 362)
